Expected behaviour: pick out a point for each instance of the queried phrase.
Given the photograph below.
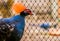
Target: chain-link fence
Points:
(45, 11)
(41, 6)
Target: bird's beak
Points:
(31, 13)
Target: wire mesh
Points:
(45, 11)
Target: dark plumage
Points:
(18, 22)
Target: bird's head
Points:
(21, 9)
(26, 12)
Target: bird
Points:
(47, 25)
(17, 21)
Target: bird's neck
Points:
(20, 15)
